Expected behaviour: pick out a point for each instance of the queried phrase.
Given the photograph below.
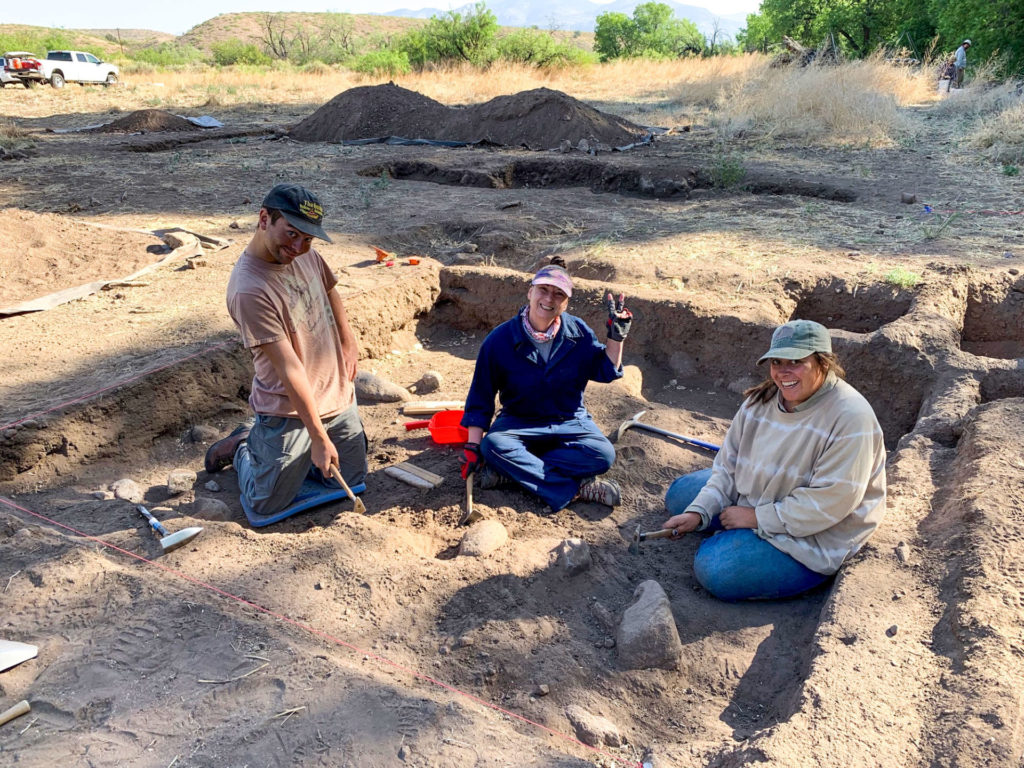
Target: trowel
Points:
(169, 541)
(13, 653)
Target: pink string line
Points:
(324, 635)
(119, 383)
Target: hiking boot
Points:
(220, 455)
(600, 490)
(489, 479)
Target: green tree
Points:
(859, 26)
(652, 32)
(758, 35)
(614, 35)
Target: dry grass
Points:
(1002, 137)
(858, 102)
(981, 99)
(12, 136)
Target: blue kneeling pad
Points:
(312, 494)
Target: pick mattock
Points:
(635, 422)
(639, 538)
(169, 541)
(357, 504)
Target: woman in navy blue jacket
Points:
(538, 364)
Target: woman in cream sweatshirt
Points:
(799, 484)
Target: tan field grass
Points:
(1002, 137)
(857, 102)
(13, 136)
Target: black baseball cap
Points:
(300, 207)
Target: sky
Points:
(181, 15)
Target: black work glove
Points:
(470, 459)
(619, 318)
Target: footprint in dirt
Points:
(629, 455)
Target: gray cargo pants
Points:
(276, 458)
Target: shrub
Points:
(37, 42)
(539, 49)
(383, 63)
(167, 55)
(234, 51)
(453, 38)
(315, 67)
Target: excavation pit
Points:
(849, 306)
(994, 322)
(392, 584)
(593, 173)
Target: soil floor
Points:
(368, 640)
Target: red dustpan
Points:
(444, 427)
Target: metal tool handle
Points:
(153, 522)
(692, 441)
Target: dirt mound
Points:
(148, 120)
(42, 252)
(537, 119)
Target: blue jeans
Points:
(738, 564)
(548, 460)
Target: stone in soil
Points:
(647, 635)
(374, 389)
(574, 556)
(212, 509)
(128, 490)
(180, 481)
(483, 538)
(593, 730)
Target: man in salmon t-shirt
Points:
(283, 299)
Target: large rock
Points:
(483, 538)
(647, 635)
(593, 729)
(374, 389)
(128, 490)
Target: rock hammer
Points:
(640, 537)
(169, 541)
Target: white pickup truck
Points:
(61, 67)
